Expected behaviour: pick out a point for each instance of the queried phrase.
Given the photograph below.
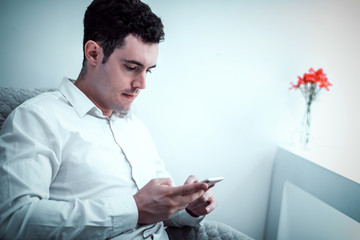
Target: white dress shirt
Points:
(67, 171)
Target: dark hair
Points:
(108, 22)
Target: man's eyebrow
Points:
(137, 63)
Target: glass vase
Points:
(306, 126)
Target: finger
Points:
(202, 201)
(189, 189)
(211, 206)
(191, 179)
(202, 209)
(196, 197)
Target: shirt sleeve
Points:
(30, 157)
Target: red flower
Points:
(313, 77)
(311, 83)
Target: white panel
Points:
(303, 216)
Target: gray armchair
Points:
(10, 98)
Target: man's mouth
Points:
(129, 96)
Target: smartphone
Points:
(212, 181)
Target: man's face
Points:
(117, 82)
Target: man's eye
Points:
(130, 68)
(148, 71)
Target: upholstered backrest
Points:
(10, 98)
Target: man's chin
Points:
(123, 112)
(121, 108)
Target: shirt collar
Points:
(80, 102)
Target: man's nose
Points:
(140, 81)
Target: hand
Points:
(204, 204)
(157, 200)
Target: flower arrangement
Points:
(310, 85)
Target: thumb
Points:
(191, 179)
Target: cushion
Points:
(10, 98)
(209, 230)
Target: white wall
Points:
(218, 102)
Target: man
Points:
(76, 163)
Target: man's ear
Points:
(92, 52)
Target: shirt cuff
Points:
(192, 221)
(182, 218)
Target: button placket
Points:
(122, 147)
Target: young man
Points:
(76, 163)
